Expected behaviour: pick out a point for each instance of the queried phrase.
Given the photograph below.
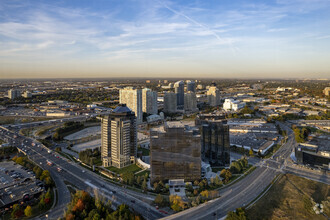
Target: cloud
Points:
(277, 29)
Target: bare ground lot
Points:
(86, 132)
(290, 198)
(87, 145)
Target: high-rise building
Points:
(215, 142)
(149, 101)
(179, 91)
(170, 102)
(175, 153)
(133, 99)
(119, 138)
(326, 91)
(213, 96)
(190, 103)
(191, 86)
(14, 94)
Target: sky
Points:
(161, 38)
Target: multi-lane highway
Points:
(77, 176)
(239, 194)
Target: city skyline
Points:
(266, 39)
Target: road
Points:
(246, 190)
(78, 176)
(237, 195)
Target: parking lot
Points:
(17, 183)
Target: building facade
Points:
(179, 91)
(190, 103)
(170, 102)
(213, 96)
(233, 105)
(215, 142)
(175, 153)
(326, 91)
(14, 94)
(191, 86)
(133, 99)
(119, 138)
(149, 101)
(27, 94)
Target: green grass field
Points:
(290, 198)
(131, 168)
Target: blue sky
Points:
(155, 38)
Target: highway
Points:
(236, 195)
(78, 176)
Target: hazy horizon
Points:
(166, 39)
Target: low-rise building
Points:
(233, 105)
(316, 153)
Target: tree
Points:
(128, 178)
(217, 181)
(28, 211)
(239, 214)
(139, 180)
(17, 211)
(235, 167)
(159, 200)
(189, 188)
(144, 185)
(41, 203)
(226, 174)
(44, 174)
(205, 194)
(251, 152)
(176, 203)
(157, 187)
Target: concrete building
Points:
(190, 103)
(133, 99)
(149, 101)
(213, 96)
(233, 105)
(27, 94)
(170, 102)
(215, 142)
(119, 138)
(315, 153)
(326, 91)
(14, 94)
(179, 91)
(175, 153)
(200, 87)
(191, 86)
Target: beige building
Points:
(119, 138)
(175, 153)
(14, 94)
(133, 99)
(213, 96)
(27, 94)
(326, 91)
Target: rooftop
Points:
(122, 108)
